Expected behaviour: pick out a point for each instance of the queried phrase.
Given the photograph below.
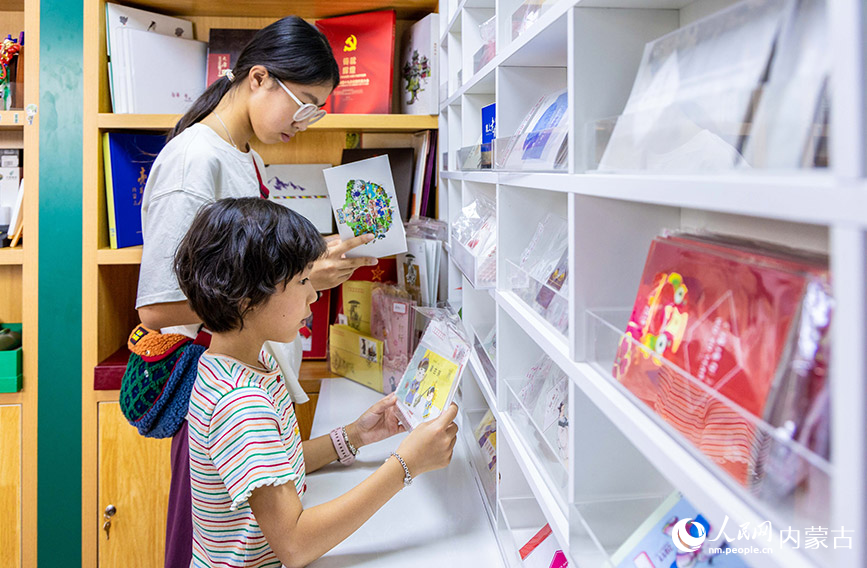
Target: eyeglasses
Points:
(306, 111)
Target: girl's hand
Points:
(431, 444)
(378, 422)
(334, 268)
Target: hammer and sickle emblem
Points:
(351, 43)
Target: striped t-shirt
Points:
(243, 435)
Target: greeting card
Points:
(356, 356)
(363, 198)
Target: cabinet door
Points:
(134, 477)
(10, 486)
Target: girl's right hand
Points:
(431, 444)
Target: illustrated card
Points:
(426, 386)
(363, 198)
(356, 356)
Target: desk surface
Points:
(438, 521)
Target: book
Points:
(301, 187)
(429, 383)
(314, 334)
(224, 47)
(10, 180)
(364, 201)
(128, 158)
(119, 17)
(653, 542)
(356, 356)
(401, 162)
(16, 216)
(163, 74)
(430, 181)
(363, 45)
(356, 304)
(419, 67)
(543, 551)
(420, 143)
(392, 321)
(489, 126)
(714, 315)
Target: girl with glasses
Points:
(275, 90)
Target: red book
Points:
(363, 46)
(224, 47)
(716, 317)
(314, 335)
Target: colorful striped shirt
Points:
(243, 435)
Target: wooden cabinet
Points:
(134, 478)
(10, 485)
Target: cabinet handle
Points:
(108, 514)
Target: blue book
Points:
(128, 160)
(488, 124)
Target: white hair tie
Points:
(229, 75)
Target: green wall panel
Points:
(60, 198)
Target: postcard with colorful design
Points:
(363, 198)
(426, 386)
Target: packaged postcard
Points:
(728, 339)
(540, 142)
(363, 199)
(392, 320)
(432, 376)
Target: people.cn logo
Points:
(688, 535)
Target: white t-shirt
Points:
(197, 167)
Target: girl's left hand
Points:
(378, 422)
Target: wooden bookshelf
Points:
(110, 277)
(19, 286)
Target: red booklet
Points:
(314, 334)
(714, 315)
(363, 46)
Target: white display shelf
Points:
(612, 219)
(481, 380)
(755, 193)
(534, 291)
(546, 500)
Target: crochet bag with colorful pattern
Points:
(156, 386)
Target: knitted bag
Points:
(156, 386)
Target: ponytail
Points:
(290, 49)
(204, 105)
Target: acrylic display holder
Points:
(485, 477)
(536, 151)
(475, 157)
(537, 440)
(480, 271)
(520, 519)
(531, 290)
(786, 464)
(692, 136)
(487, 364)
(526, 15)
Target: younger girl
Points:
(274, 91)
(245, 266)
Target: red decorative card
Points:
(363, 46)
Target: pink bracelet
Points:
(344, 456)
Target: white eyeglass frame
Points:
(306, 111)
